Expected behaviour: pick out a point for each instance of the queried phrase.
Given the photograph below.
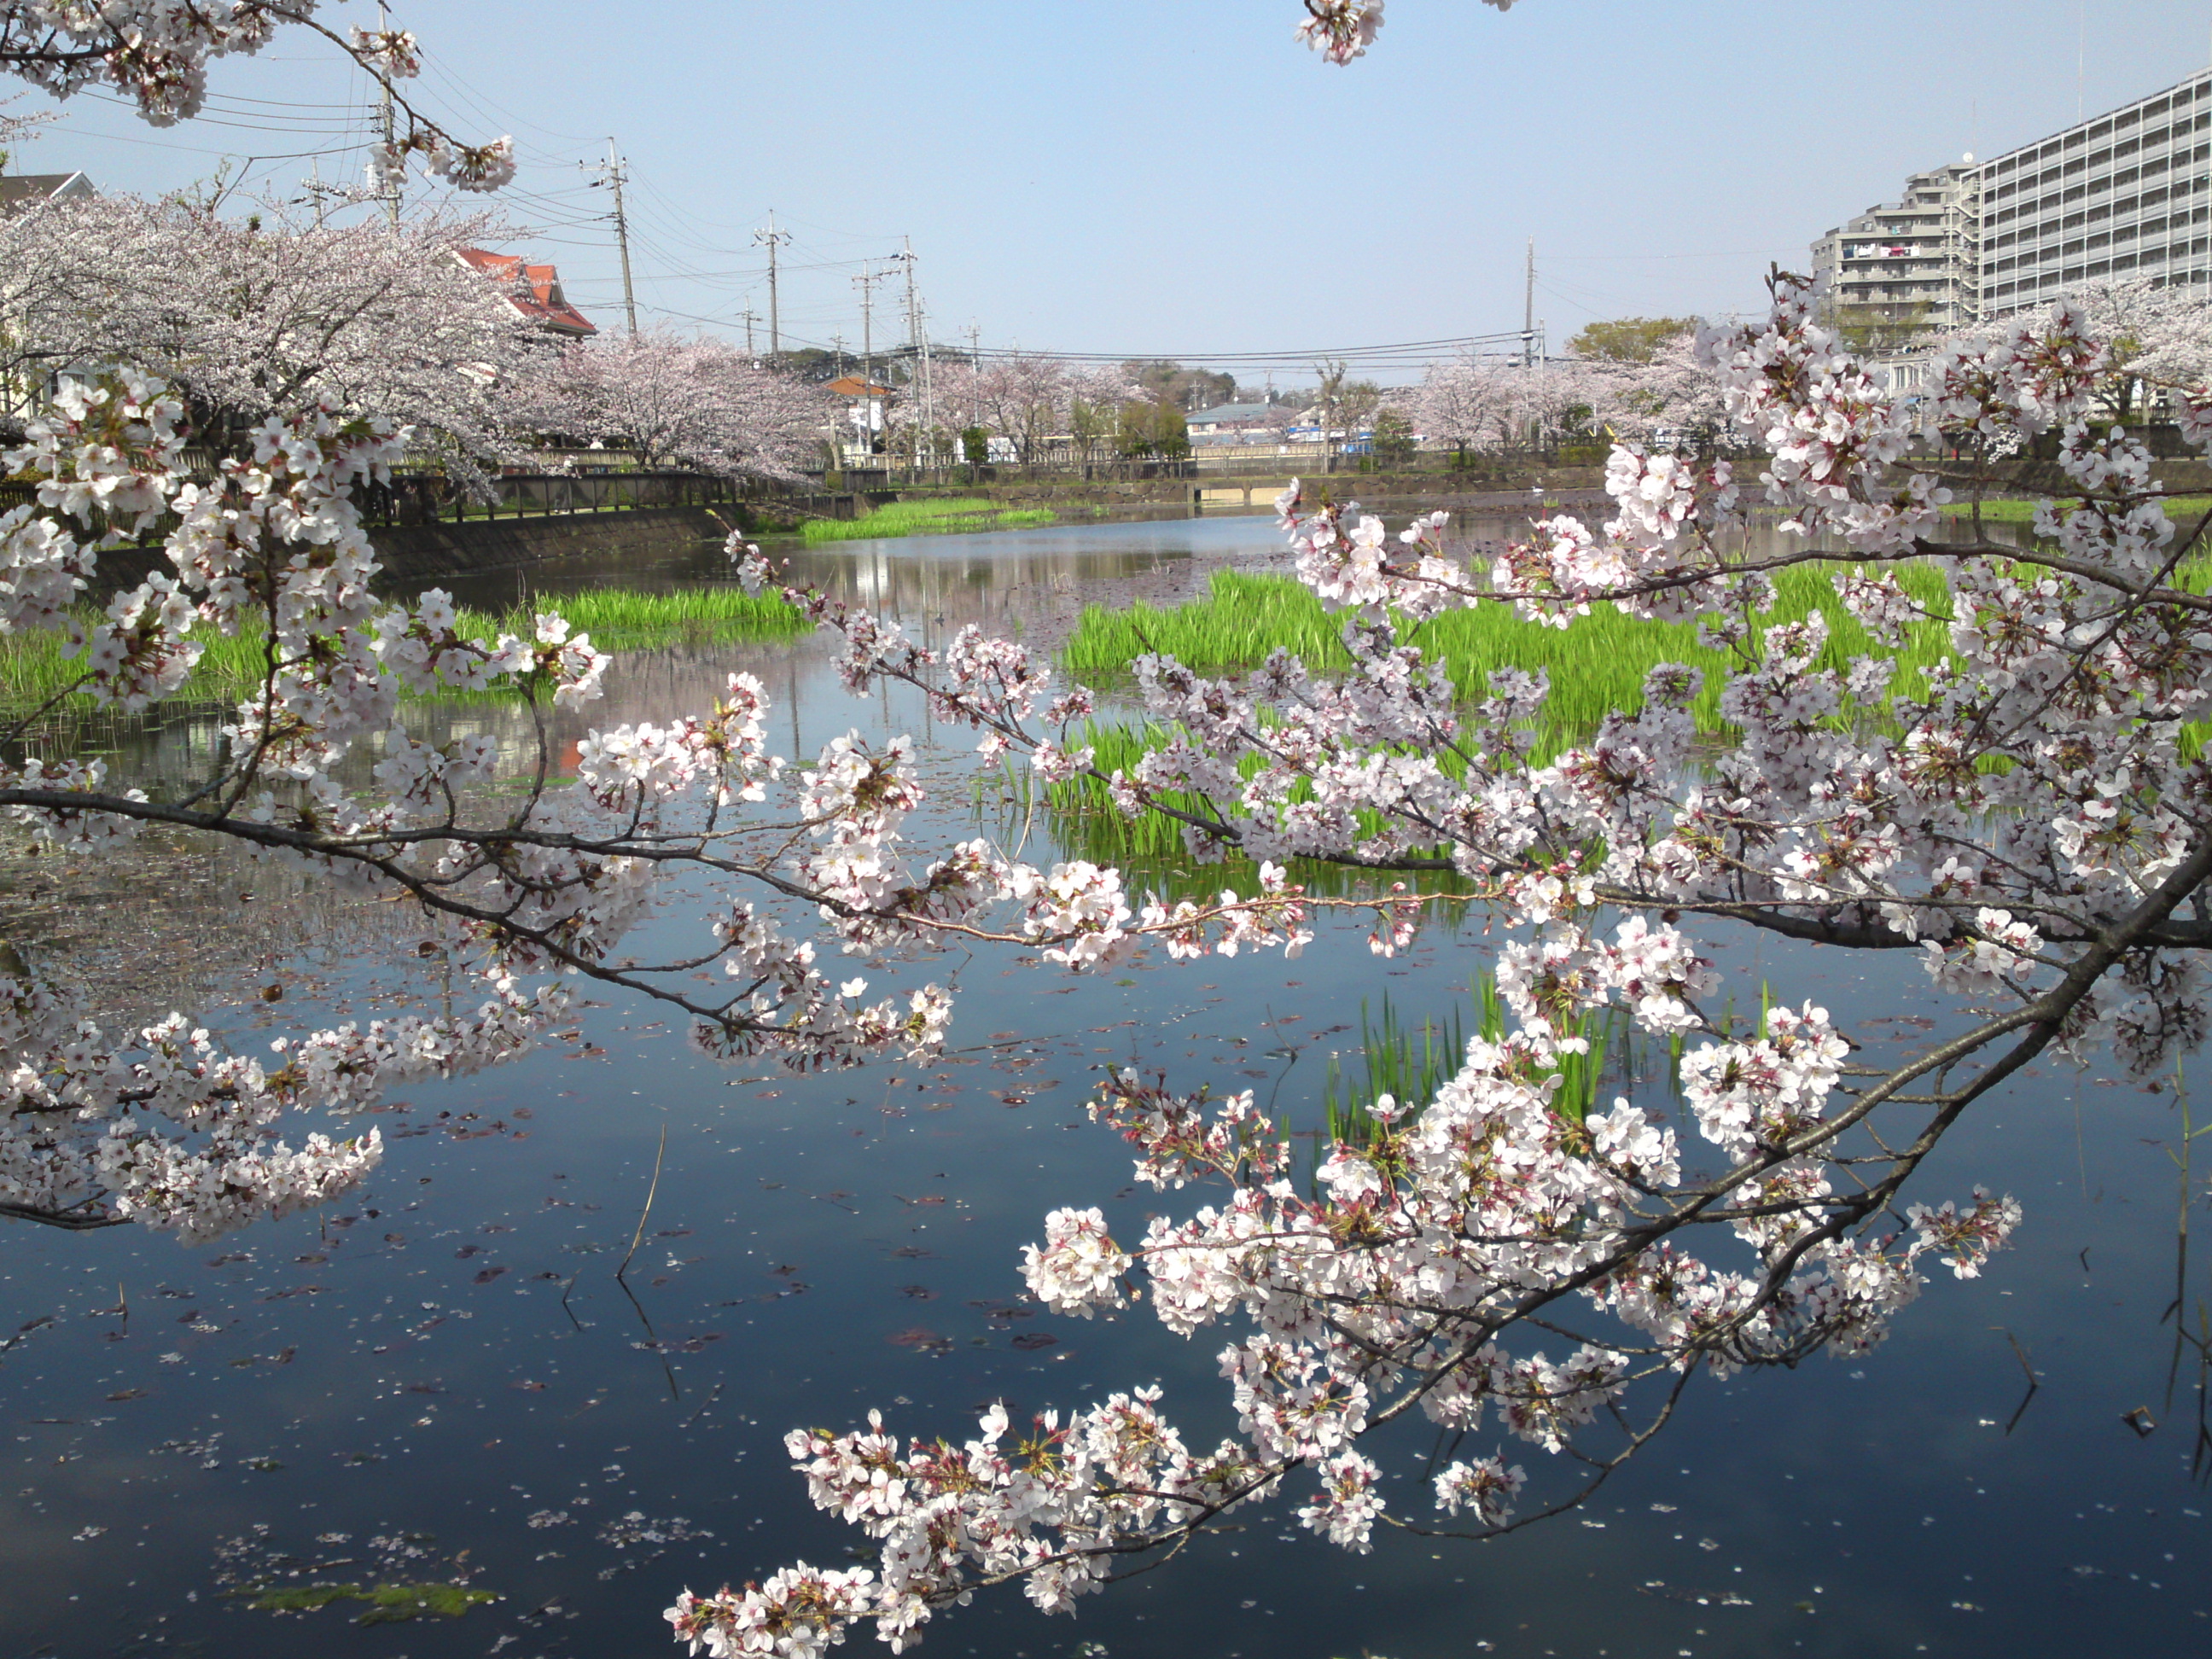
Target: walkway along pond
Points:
(439, 1387)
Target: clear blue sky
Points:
(1178, 175)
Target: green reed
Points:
(951, 515)
(1595, 667)
(1410, 1062)
(35, 667)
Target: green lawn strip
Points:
(2013, 511)
(34, 667)
(922, 517)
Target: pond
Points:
(440, 1382)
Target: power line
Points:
(1406, 349)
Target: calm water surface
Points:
(441, 1378)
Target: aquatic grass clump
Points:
(1595, 667)
(631, 619)
(948, 516)
(388, 1604)
(1410, 1063)
(35, 667)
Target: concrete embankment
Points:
(424, 552)
(415, 556)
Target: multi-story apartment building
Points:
(1910, 261)
(2125, 195)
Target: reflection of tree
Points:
(189, 922)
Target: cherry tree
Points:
(2158, 334)
(688, 400)
(1022, 398)
(1488, 404)
(1460, 404)
(244, 316)
(1675, 393)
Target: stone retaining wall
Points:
(420, 556)
(423, 553)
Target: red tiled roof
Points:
(852, 385)
(534, 291)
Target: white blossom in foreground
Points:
(155, 52)
(1507, 1260)
(165, 1126)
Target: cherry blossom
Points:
(680, 400)
(156, 53)
(1434, 1263)
(1024, 397)
(248, 316)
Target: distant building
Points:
(2122, 195)
(1909, 261)
(533, 291)
(867, 407)
(19, 191)
(2126, 194)
(1229, 424)
(1226, 415)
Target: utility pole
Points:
(392, 185)
(615, 177)
(1528, 313)
(916, 391)
(838, 340)
(750, 317)
(905, 257)
(865, 281)
(772, 238)
(929, 376)
(975, 367)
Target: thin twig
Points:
(648, 1211)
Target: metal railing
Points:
(426, 499)
(412, 499)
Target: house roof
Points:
(1221, 413)
(22, 189)
(852, 385)
(534, 291)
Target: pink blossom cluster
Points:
(1385, 1290)
(2031, 825)
(157, 53)
(325, 771)
(1342, 30)
(239, 317)
(679, 400)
